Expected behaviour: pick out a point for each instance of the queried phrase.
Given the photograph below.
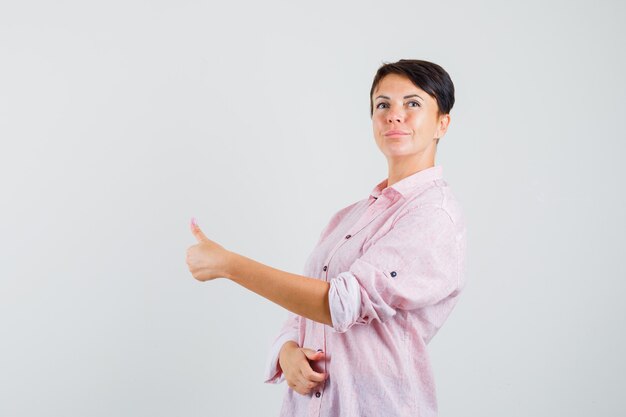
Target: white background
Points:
(120, 120)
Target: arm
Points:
(304, 296)
(417, 263)
(290, 331)
(288, 361)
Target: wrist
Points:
(230, 264)
(289, 344)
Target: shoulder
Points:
(437, 200)
(344, 210)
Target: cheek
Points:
(379, 121)
(419, 124)
(376, 124)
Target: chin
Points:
(397, 153)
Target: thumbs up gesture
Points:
(206, 259)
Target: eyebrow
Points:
(409, 96)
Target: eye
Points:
(381, 104)
(416, 104)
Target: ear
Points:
(442, 125)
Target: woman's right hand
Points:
(297, 370)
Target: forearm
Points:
(304, 296)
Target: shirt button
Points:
(325, 267)
(393, 273)
(318, 394)
(348, 236)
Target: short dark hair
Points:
(428, 76)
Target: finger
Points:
(305, 385)
(195, 229)
(310, 385)
(310, 375)
(313, 376)
(312, 354)
(297, 382)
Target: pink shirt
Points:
(396, 265)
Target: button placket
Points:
(366, 218)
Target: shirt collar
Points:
(408, 185)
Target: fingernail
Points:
(193, 221)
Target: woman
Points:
(384, 276)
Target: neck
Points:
(402, 168)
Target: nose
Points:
(395, 115)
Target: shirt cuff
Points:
(344, 299)
(273, 372)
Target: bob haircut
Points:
(425, 75)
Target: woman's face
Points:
(405, 119)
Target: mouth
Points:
(395, 133)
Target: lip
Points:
(395, 133)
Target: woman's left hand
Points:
(206, 260)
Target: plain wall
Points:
(120, 120)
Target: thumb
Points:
(312, 354)
(195, 229)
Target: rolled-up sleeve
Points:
(289, 331)
(415, 264)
